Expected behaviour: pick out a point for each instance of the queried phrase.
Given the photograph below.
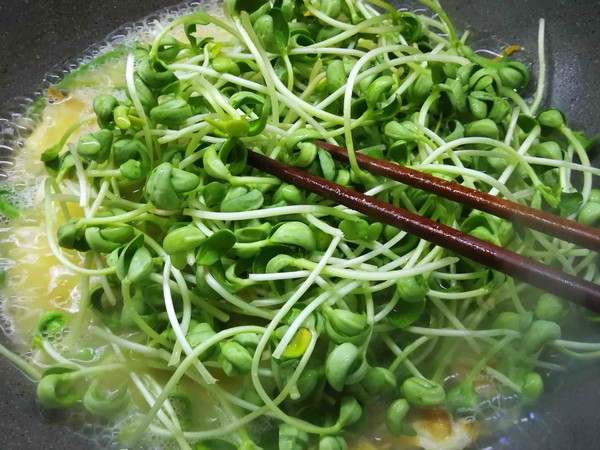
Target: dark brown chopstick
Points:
(547, 223)
(546, 278)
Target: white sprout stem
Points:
(584, 158)
(29, 370)
(154, 389)
(470, 173)
(455, 322)
(176, 326)
(588, 346)
(503, 379)
(56, 356)
(53, 244)
(145, 350)
(323, 226)
(562, 164)
(183, 368)
(459, 295)
(281, 314)
(186, 298)
(150, 399)
(310, 50)
(350, 29)
(243, 28)
(402, 356)
(378, 276)
(99, 198)
(271, 212)
(512, 126)
(278, 276)
(270, 408)
(387, 308)
(278, 87)
(524, 148)
(117, 218)
(200, 302)
(235, 300)
(461, 333)
(379, 249)
(83, 304)
(129, 74)
(84, 187)
(541, 81)
(352, 78)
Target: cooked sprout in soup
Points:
(171, 292)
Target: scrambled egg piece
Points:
(435, 428)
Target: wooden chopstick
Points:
(547, 223)
(546, 278)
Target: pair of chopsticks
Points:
(544, 277)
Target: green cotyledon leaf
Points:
(214, 247)
(273, 31)
(135, 261)
(166, 187)
(7, 209)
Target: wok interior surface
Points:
(38, 35)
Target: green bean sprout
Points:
(217, 307)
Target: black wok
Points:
(36, 35)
